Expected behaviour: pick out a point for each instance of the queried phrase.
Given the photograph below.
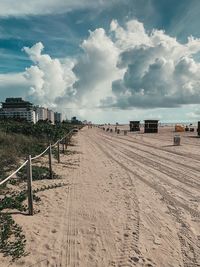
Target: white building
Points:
(42, 113)
(18, 108)
(50, 116)
(21, 113)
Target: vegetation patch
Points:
(20, 138)
(55, 152)
(14, 201)
(38, 173)
(17, 140)
(12, 239)
(71, 152)
(47, 187)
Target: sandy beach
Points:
(126, 201)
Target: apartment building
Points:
(18, 108)
(42, 113)
(58, 117)
(50, 116)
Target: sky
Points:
(103, 61)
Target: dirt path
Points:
(129, 201)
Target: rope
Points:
(36, 157)
(5, 180)
(40, 155)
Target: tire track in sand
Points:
(129, 252)
(155, 186)
(188, 241)
(168, 172)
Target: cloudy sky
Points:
(105, 61)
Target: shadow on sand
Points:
(14, 213)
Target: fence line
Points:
(11, 175)
(28, 163)
(40, 155)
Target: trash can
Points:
(177, 140)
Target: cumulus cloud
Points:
(78, 83)
(49, 79)
(125, 68)
(96, 68)
(132, 35)
(159, 71)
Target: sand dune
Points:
(128, 201)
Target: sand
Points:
(128, 201)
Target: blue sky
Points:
(62, 33)
(93, 77)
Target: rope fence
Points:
(28, 163)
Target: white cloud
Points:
(132, 35)
(127, 68)
(96, 68)
(159, 71)
(76, 84)
(49, 78)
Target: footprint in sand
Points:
(47, 246)
(135, 259)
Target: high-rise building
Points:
(42, 113)
(50, 116)
(15, 103)
(18, 108)
(58, 117)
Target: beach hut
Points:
(150, 126)
(134, 126)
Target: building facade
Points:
(15, 103)
(18, 108)
(42, 113)
(58, 117)
(50, 116)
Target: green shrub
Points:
(19, 139)
(38, 173)
(14, 201)
(12, 239)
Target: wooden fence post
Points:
(63, 146)
(66, 142)
(69, 139)
(50, 162)
(29, 186)
(58, 145)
